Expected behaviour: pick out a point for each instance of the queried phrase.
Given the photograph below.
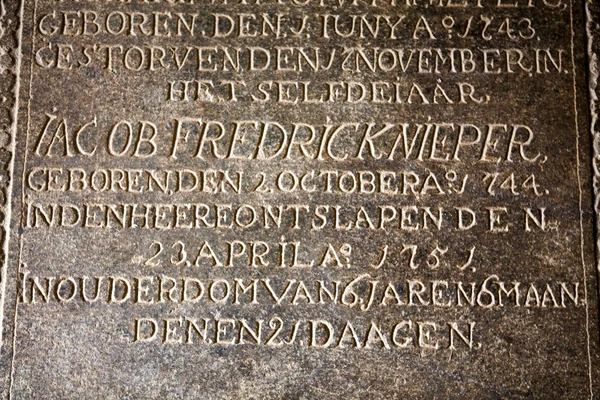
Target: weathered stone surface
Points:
(298, 199)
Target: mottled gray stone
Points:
(298, 199)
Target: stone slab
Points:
(298, 199)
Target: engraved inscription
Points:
(348, 199)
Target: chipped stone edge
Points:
(592, 9)
(10, 61)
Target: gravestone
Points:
(298, 199)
